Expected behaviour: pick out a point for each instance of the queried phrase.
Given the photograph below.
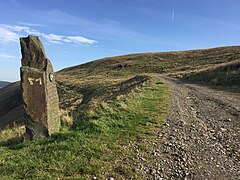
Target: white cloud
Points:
(30, 24)
(6, 56)
(7, 35)
(19, 29)
(11, 33)
(53, 38)
(79, 39)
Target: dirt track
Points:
(201, 139)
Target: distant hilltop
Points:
(3, 84)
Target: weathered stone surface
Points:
(52, 100)
(41, 102)
(33, 54)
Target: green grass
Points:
(97, 144)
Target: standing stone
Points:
(39, 91)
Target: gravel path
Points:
(201, 139)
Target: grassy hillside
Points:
(114, 68)
(11, 106)
(93, 79)
(225, 76)
(105, 105)
(97, 146)
(80, 87)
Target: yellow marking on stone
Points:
(40, 81)
(31, 80)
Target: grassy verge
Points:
(96, 147)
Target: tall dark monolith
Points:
(39, 91)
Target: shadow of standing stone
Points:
(39, 91)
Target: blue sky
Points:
(77, 31)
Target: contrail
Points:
(173, 11)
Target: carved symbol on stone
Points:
(31, 80)
(39, 80)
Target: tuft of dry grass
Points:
(225, 75)
(66, 118)
(12, 134)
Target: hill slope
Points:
(225, 75)
(115, 123)
(166, 62)
(11, 106)
(78, 86)
(3, 84)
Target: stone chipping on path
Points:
(201, 139)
